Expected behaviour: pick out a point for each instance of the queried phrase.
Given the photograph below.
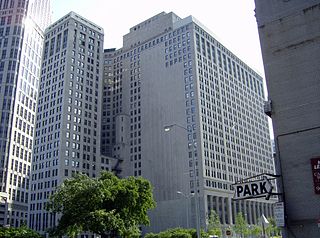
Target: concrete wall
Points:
(290, 36)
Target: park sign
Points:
(253, 189)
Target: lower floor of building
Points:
(227, 208)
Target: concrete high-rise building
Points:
(173, 74)
(21, 40)
(289, 35)
(67, 135)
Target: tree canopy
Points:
(272, 229)
(104, 205)
(241, 226)
(177, 233)
(21, 232)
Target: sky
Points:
(231, 21)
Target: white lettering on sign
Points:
(252, 189)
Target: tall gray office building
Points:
(67, 135)
(21, 39)
(176, 100)
(289, 35)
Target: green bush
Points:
(177, 233)
(151, 235)
(21, 232)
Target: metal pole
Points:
(196, 195)
(195, 185)
(187, 197)
(263, 230)
(187, 211)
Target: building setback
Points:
(289, 35)
(172, 73)
(21, 39)
(67, 135)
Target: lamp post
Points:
(187, 208)
(4, 197)
(196, 196)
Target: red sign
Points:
(228, 232)
(315, 165)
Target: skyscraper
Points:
(21, 38)
(289, 35)
(67, 135)
(183, 111)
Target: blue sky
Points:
(232, 21)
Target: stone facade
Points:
(290, 37)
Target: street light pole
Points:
(187, 207)
(195, 184)
(4, 197)
(196, 192)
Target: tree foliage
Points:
(214, 224)
(256, 230)
(272, 228)
(241, 225)
(21, 232)
(102, 205)
(177, 233)
(172, 233)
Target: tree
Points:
(272, 229)
(214, 225)
(21, 232)
(241, 225)
(104, 205)
(172, 233)
(256, 230)
(177, 233)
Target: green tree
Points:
(177, 233)
(256, 230)
(214, 224)
(241, 225)
(272, 228)
(104, 205)
(21, 232)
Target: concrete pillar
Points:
(217, 205)
(249, 212)
(271, 210)
(245, 212)
(209, 203)
(240, 206)
(254, 213)
(234, 210)
(265, 209)
(206, 205)
(258, 211)
(223, 210)
(230, 210)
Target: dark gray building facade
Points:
(290, 37)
